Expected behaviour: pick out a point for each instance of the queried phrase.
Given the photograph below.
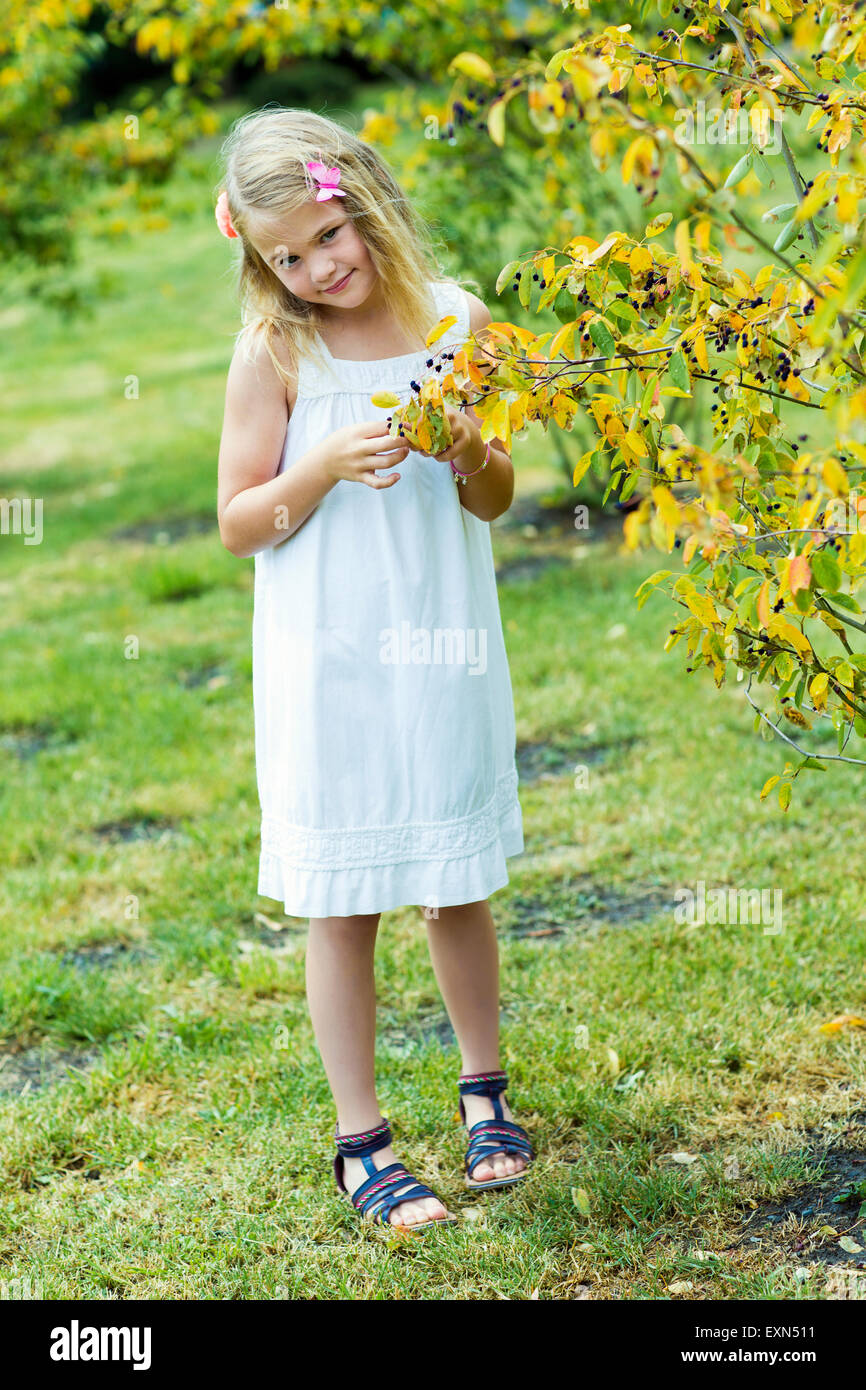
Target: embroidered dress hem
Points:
(461, 876)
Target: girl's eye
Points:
(329, 234)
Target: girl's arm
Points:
(257, 507)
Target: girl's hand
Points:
(354, 452)
(465, 441)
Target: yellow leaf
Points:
(500, 421)
(658, 224)
(562, 339)
(818, 689)
(843, 1021)
(835, 477)
(700, 346)
(386, 399)
(689, 548)
(763, 604)
(640, 260)
(682, 244)
(778, 627)
(631, 529)
(439, 328)
(473, 66)
(581, 466)
(812, 203)
(667, 505)
(799, 573)
(630, 158)
(636, 443)
(496, 123)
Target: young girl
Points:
(384, 724)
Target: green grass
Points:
(182, 1150)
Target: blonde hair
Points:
(265, 156)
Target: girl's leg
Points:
(465, 959)
(341, 992)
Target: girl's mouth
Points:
(341, 284)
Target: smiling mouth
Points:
(339, 285)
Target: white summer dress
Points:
(384, 720)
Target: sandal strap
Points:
(483, 1083)
(364, 1143)
(496, 1136)
(381, 1193)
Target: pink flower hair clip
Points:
(223, 216)
(327, 179)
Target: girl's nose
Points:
(323, 273)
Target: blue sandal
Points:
(383, 1190)
(498, 1135)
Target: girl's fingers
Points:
(374, 480)
(393, 450)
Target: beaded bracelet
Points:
(460, 477)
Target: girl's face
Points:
(318, 255)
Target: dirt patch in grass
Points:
(404, 1039)
(581, 902)
(161, 530)
(23, 1070)
(272, 930)
(549, 758)
(529, 567)
(24, 741)
(800, 1225)
(96, 955)
(135, 828)
(214, 677)
(556, 517)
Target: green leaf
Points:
(506, 274)
(740, 170)
(787, 235)
(783, 210)
(602, 337)
(846, 601)
(564, 307)
(803, 600)
(629, 486)
(678, 371)
(614, 479)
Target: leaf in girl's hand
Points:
(386, 399)
(439, 328)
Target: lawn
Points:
(165, 1124)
